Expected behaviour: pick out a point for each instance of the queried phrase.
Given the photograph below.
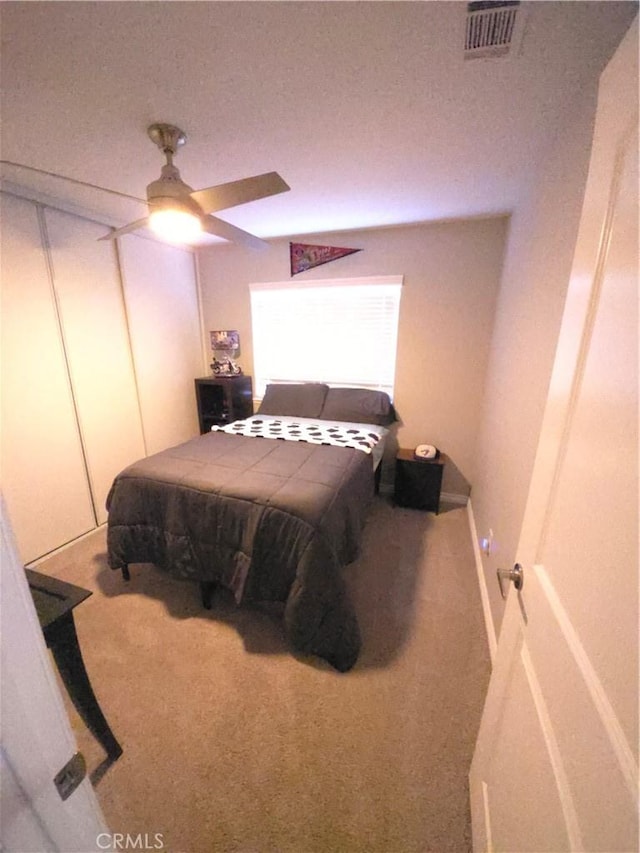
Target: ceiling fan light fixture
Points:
(175, 224)
(178, 214)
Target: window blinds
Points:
(340, 331)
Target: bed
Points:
(271, 507)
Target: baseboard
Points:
(452, 498)
(484, 594)
(35, 562)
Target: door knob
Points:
(515, 574)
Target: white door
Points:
(36, 737)
(44, 478)
(161, 295)
(86, 281)
(556, 762)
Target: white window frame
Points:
(376, 370)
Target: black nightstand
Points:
(54, 601)
(418, 481)
(223, 399)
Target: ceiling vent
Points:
(492, 28)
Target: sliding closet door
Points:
(43, 473)
(162, 305)
(92, 312)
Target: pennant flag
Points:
(305, 256)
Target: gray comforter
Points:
(270, 520)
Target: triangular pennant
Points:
(305, 256)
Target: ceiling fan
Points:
(177, 212)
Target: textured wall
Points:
(451, 276)
(529, 310)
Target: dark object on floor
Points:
(54, 601)
(418, 481)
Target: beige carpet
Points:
(233, 744)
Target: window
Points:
(338, 331)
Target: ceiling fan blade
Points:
(213, 225)
(239, 192)
(132, 226)
(71, 180)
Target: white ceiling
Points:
(367, 109)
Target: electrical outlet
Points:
(487, 544)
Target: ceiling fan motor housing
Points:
(170, 188)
